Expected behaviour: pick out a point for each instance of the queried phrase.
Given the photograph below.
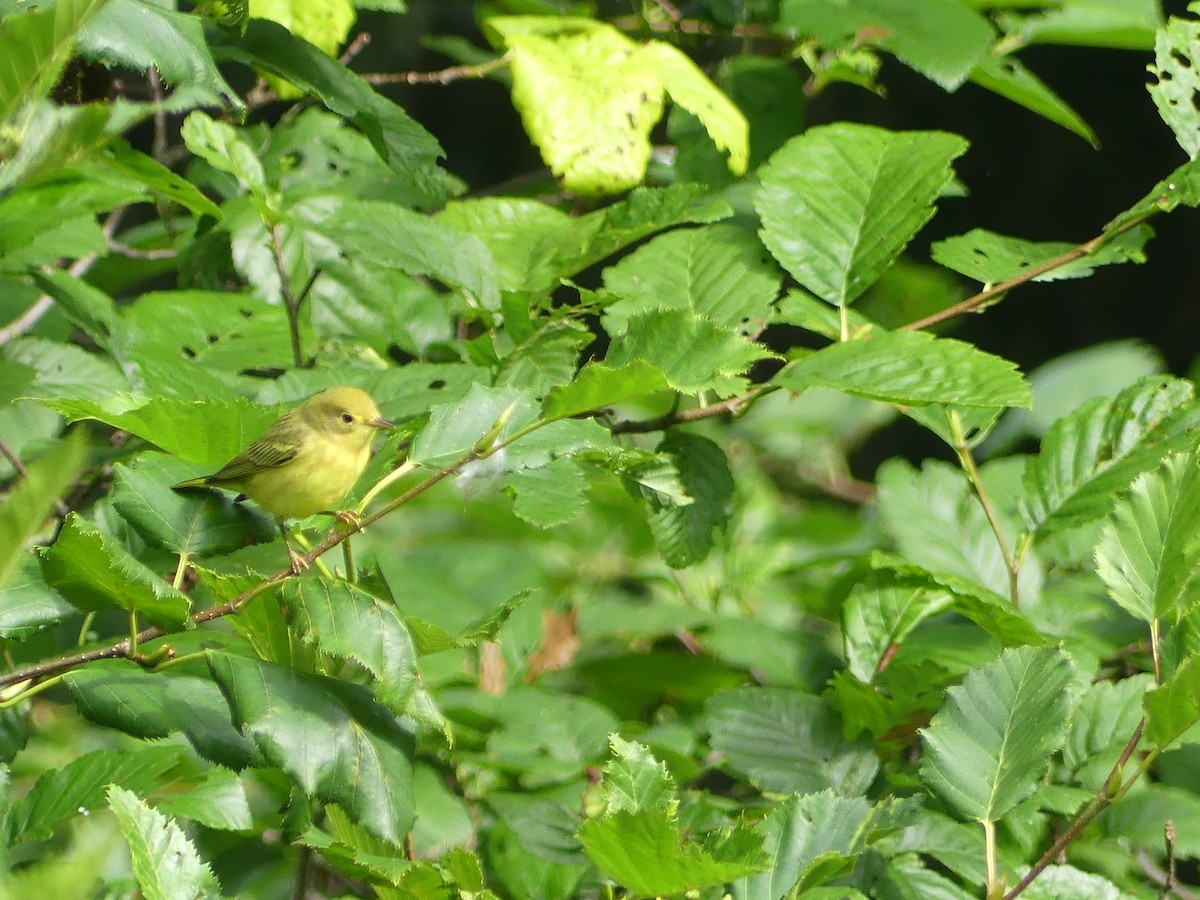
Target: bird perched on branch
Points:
(307, 461)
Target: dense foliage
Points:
(615, 618)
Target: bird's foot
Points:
(298, 563)
(348, 517)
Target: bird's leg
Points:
(295, 560)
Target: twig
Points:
(135, 253)
(442, 76)
(985, 296)
(732, 406)
(967, 461)
(335, 536)
(1111, 790)
(290, 301)
(158, 145)
(355, 47)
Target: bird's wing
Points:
(265, 453)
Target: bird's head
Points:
(344, 411)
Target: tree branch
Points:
(732, 406)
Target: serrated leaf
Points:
(634, 780)
(1129, 24)
(1008, 77)
(347, 621)
(93, 572)
(222, 147)
(198, 523)
(689, 88)
(992, 258)
(1107, 714)
(941, 39)
(990, 743)
(404, 145)
(454, 429)
(165, 862)
(1069, 883)
(718, 271)
(1090, 455)
(646, 850)
(840, 202)
(880, 613)
(1177, 68)
(1174, 706)
(215, 798)
(79, 786)
(159, 179)
(548, 496)
(208, 433)
(29, 502)
(787, 741)
(431, 638)
(912, 367)
(520, 233)
(28, 604)
(811, 839)
(329, 735)
(598, 385)
(1149, 551)
(65, 370)
(938, 524)
(137, 34)
(151, 705)
(684, 534)
(693, 352)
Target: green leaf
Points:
(548, 496)
(390, 235)
(941, 39)
(718, 271)
(1093, 453)
(911, 367)
(939, 524)
(36, 43)
(93, 572)
(65, 370)
(811, 839)
(1008, 77)
(684, 533)
(840, 202)
(455, 428)
(988, 746)
(28, 604)
(138, 34)
(79, 786)
(1069, 883)
(1176, 65)
(329, 735)
(152, 705)
(27, 505)
(223, 147)
(346, 621)
(787, 741)
(992, 258)
(1107, 715)
(689, 88)
(165, 862)
(159, 179)
(215, 798)
(644, 848)
(206, 432)
(880, 613)
(1129, 24)
(432, 638)
(1149, 551)
(196, 523)
(598, 385)
(401, 142)
(41, 223)
(695, 353)
(1174, 706)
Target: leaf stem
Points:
(967, 461)
(731, 406)
(989, 855)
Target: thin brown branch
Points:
(732, 406)
(355, 47)
(1111, 789)
(290, 302)
(441, 76)
(126, 648)
(135, 253)
(989, 294)
(692, 26)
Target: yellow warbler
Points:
(307, 461)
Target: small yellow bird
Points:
(307, 461)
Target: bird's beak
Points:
(380, 422)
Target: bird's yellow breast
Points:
(314, 480)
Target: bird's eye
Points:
(347, 418)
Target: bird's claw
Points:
(298, 562)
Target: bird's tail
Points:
(202, 481)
